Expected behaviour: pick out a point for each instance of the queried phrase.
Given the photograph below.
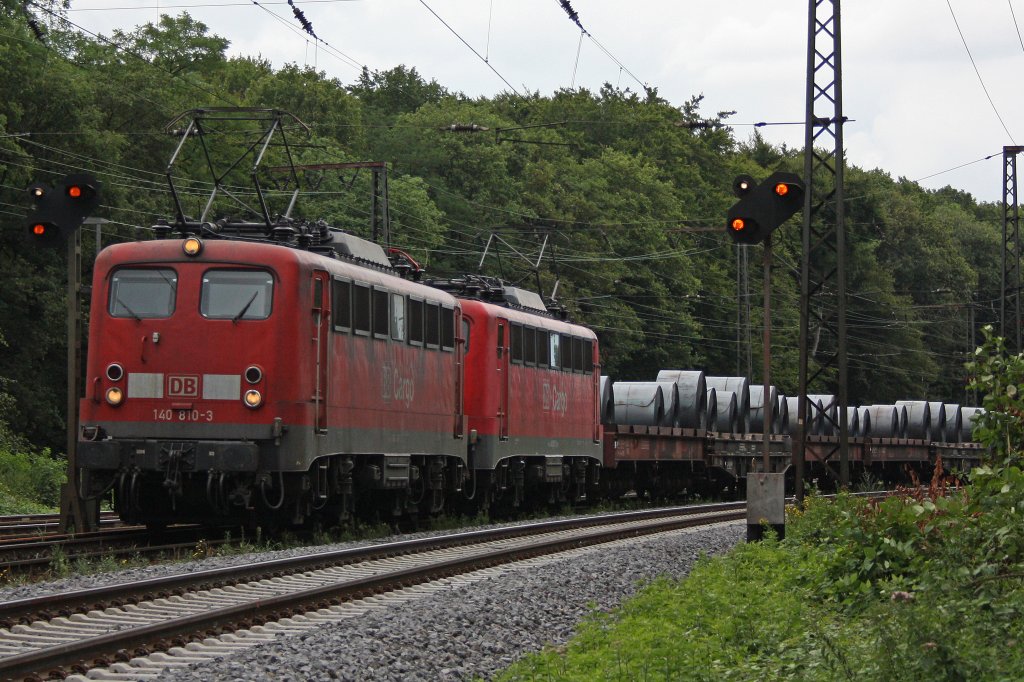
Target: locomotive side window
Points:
(577, 354)
(142, 293)
(398, 317)
(530, 345)
(381, 314)
(465, 333)
(566, 359)
(236, 294)
(361, 308)
(415, 321)
(433, 325)
(342, 305)
(447, 328)
(555, 355)
(543, 343)
(588, 355)
(517, 343)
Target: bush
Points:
(33, 477)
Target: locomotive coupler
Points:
(172, 457)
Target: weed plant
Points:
(927, 584)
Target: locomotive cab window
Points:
(361, 308)
(342, 305)
(139, 293)
(236, 295)
(381, 314)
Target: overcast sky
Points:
(916, 103)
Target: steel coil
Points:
(712, 410)
(726, 420)
(954, 421)
(967, 417)
(885, 421)
(938, 413)
(607, 401)
(741, 387)
(638, 403)
(757, 413)
(692, 396)
(919, 419)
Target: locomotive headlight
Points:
(192, 246)
(252, 399)
(115, 396)
(115, 372)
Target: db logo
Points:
(182, 386)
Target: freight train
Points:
(309, 374)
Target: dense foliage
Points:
(620, 182)
(925, 585)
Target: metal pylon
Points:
(1009, 300)
(823, 266)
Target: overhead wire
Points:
(471, 48)
(978, 73)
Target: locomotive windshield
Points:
(237, 294)
(139, 293)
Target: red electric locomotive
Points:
(242, 378)
(532, 407)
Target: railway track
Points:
(29, 525)
(113, 627)
(22, 555)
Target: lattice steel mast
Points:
(823, 271)
(1009, 300)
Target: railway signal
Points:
(60, 211)
(763, 207)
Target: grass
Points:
(818, 606)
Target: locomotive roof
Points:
(522, 316)
(256, 254)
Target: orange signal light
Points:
(39, 229)
(739, 224)
(782, 189)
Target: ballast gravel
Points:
(473, 631)
(462, 632)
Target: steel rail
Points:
(98, 598)
(104, 649)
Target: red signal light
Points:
(739, 224)
(39, 229)
(74, 191)
(782, 189)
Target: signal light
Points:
(763, 207)
(58, 215)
